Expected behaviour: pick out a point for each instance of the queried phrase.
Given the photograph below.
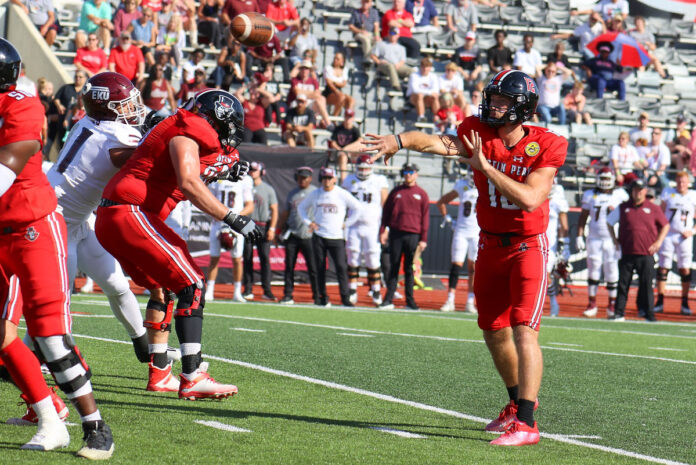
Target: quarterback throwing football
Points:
(514, 166)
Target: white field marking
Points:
(222, 426)
(80, 315)
(448, 339)
(398, 432)
(249, 330)
(417, 405)
(355, 335)
(579, 436)
(667, 348)
(564, 344)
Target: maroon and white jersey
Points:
(599, 205)
(369, 193)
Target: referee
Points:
(405, 221)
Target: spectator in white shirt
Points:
(586, 33)
(607, 8)
(624, 158)
(453, 83)
(304, 44)
(643, 130)
(655, 158)
(424, 89)
(324, 212)
(528, 59)
(550, 102)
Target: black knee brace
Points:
(662, 274)
(612, 285)
(167, 306)
(191, 301)
(373, 275)
(454, 275)
(353, 272)
(686, 278)
(65, 364)
(593, 282)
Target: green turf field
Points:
(361, 386)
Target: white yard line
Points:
(417, 405)
(222, 426)
(249, 330)
(398, 432)
(564, 344)
(355, 335)
(667, 348)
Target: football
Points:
(252, 29)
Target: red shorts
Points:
(36, 255)
(149, 251)
(510, 281)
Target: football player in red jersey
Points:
(32, 248)
(172, 163)
(514, 166)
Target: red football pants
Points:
(36, 254)
(149, 251)
(510, 281)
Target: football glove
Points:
(238, 171)
(244, 226)
(564, 248)
(580, 243)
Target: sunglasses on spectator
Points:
(408, 172)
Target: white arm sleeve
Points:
(7, 178)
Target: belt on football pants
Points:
(504, 239)
(108, 203)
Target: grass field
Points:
(347, 386)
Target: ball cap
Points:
(327, 172)
(349, 113)
(471, 35)
(257, 165)
(307, 64)
(302, 97)
(304, 171)
(638, 184)
(409, 167)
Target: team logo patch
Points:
(532, 149)
(646, 210)
(31, 234)
(97, 92)
(222, 108)
(523, 247)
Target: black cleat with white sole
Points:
(98, 441)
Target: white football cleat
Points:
(209, 297)
(203, 386)
(448, 306)
(50, 435)
(88, 287)
(590, 312)
(239, 298)
(377, 299)
(353, 297)
(471, 307)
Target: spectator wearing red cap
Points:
(345, 137)
(327, 212)
(469, 60)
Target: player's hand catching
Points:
(215, 172)
(474, 145)
(238, 171)
(384, 146)
(244, 226)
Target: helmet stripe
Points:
(500, 77)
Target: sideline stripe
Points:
(417, 405)
(222, 426)
(398, 432)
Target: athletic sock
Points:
(45, 410)
(354, 286)
(238, 287)
(525, 411)
(159, 355)
(470, 297)
(450, 296)
(513, 392)
(96, 416)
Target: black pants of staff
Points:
(263, 248)
(336, 248)
(644, 266)
(401, 243)
(293, 246)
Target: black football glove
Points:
(244, 226)
(238, 171)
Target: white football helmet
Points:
(606, 179)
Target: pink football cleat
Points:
(518, 434)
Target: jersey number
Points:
(598, 210)
(230, 198)
(496, 198)
(466, 209)
(72, 150)
(684, 215)
(17, 94)
(366, 197)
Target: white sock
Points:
(354, 285)
(210, 287)
(91, 417)
(376, 288)
(45, 410)
(157, 348)
(470, 297)
(190, 348)
(450, 296)
(237, 287)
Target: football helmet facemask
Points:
(519, 88)
(605, 179)
(110, 96)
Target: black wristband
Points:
(229, 217)
(398, 141)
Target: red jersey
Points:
(148, 178)
(93, 60)
(391, 15)
(539, 148)
(126, 61)
(30, 197)
(278, 12)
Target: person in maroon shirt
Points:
(272, 52)
(642, 228)
(254, 114)
(233, 8)
(406, 213)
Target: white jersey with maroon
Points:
(369, 193)
(557, 205)
(84, 165)
(467, 225)
(599, 204)
(232, 195)
(679, 209)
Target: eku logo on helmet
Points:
(97, 92)
(222, 108)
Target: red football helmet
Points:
(113, 97)
(605, 179)
(364, 166)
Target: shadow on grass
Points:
(189, 408)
